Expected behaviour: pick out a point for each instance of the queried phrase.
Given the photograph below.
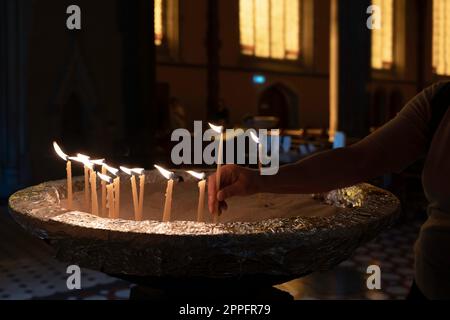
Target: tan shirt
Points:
(403, 140)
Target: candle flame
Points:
(82, 160)
(166, 173)
(126, 170)
(82, 156)
(104, 177)
(218, 129)
(59, 152)
(111, 170)
(138, 171)
(254, 137)
(198, 175)
(98, 162)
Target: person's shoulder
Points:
(431, 91)
(424, 98)
(419, 107)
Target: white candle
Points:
(260, 150)
(140, 194)
(110, 194)
(110, 190)
(86, 187)
(116, 189)
(135, 196)
(141, 197)
(168, 203)
(93, 180)
(65, 157)
(201, 200)
(103, 211)
(69, 185)
(201, 195)
(169, 191)
(133, 190)
(87, 167)
(219, 130)
(99, 162)
(117, 198)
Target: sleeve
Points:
(404, 139)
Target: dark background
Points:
(105, 90)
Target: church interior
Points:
(135, 71)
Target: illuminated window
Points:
(383, 37)
(441, 37)
(270, 28)
(159, 30)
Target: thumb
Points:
(229, 191)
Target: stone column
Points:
(350, 66)
(136, 22)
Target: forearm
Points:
(320, 173)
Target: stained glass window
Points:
(159, 30)
(441, 37)
(383, 37)
(270, 28)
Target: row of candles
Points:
(110, 187)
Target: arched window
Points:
(383, 37)
(270, 28)
(159, 23)
(441, 37)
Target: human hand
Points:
(234, 181)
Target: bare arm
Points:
(390, 149)
(319, 173)
(326, 171)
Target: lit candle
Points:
(117, 198)
(98, 162)
(141, 174)
(219, 130)
(87, 167)
(116, 189)
(110, 192)
(260, 153)
(133, 190)
(201, 196)
(94, 199)
(93, 180)
(103, 212)
(86, 186)
(69, 174)
(168, 202)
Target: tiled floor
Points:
(28, 271)
(392, 251)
